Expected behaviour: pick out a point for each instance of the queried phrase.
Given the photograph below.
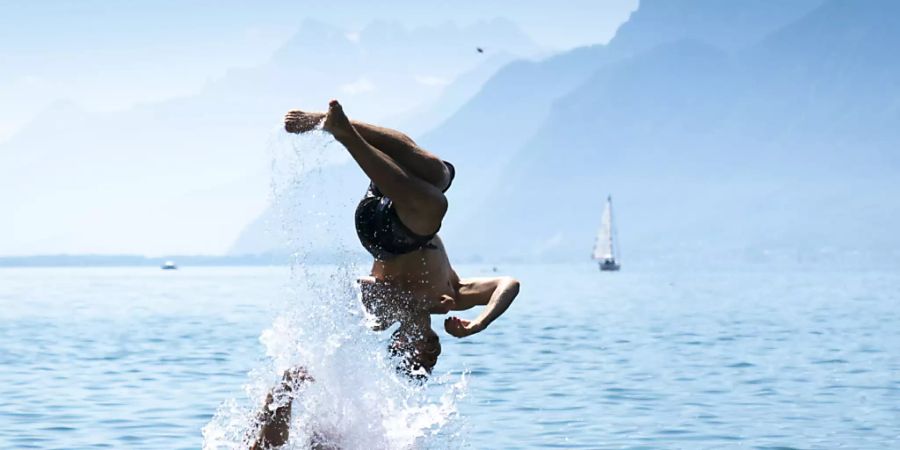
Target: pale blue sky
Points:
(107, 55)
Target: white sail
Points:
(603, 248)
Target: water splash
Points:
(358, 400)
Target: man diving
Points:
(397, 222)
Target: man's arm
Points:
(495, 293)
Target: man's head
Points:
(419, 349)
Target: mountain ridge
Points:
(685, 151)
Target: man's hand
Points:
(495, 293)
(461, 327)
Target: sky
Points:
(106, 55)
(114, 56)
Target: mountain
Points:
(726, 132)
(728, 25)
(145, 179)
(427, 117)
(485, 134)
(774, 142)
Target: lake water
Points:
(140, 358)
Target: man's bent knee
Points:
(423, 217)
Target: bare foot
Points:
(297, 121)
(336, 122)
(294, 377)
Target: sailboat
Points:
(605, 248)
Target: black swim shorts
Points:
(381, 231)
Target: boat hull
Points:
(609, 266)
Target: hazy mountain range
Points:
(187, 166)
(725, 131)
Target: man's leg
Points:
(404, 150)
(419, 204)
(400, 147)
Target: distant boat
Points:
(168, 265)
(605, 247)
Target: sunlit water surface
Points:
(140, 358)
